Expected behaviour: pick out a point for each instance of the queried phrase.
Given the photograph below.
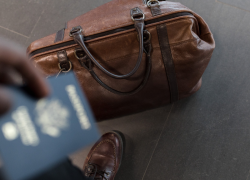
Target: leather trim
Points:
(155, 9)
(168, 61)
(59, 35)
(129, 22)
(166, 9)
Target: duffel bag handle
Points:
(87, 63)
(138, 17)
(86, 59)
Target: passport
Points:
(37, 134)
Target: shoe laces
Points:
(91, 170)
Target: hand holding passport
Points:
(37, 134)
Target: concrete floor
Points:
(204, 137)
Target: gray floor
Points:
(204, 137)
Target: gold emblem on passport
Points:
(52, 117)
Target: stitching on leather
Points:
(91, 43)
(128, 23)
(52, 53)
(119, 35)
(116, 36)
(108, 141)
(184, 18)
(157, 47)
(129, 55)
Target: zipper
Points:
(72, 42)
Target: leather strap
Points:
(154, 5)
(155, 9)
(64, 63)
(138, 17)
(168, 60)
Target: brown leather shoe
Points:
(104, 159)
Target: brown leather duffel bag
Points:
(130, 55)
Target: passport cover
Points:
(37, 134)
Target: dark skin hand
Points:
(13, 64)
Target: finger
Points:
(9, 76)
(5, 99)
(12, 56)
(33, 79)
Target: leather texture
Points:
(168, 61)
(190, 42)
(104, 158)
